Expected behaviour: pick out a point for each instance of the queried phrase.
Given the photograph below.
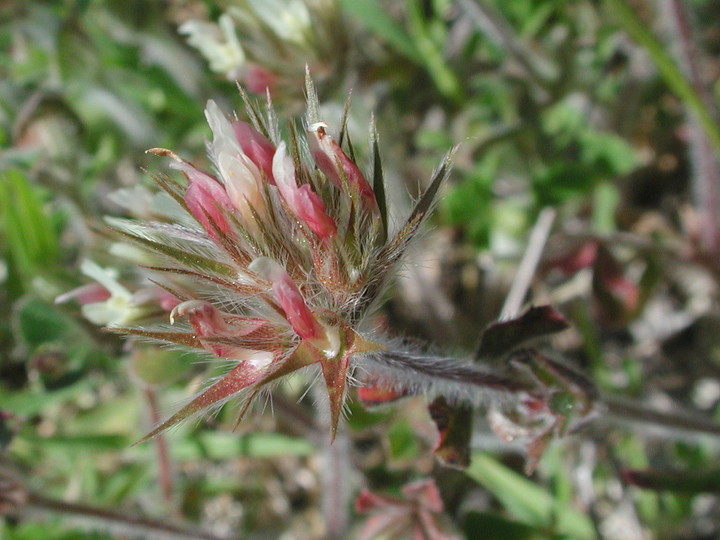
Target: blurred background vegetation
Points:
(604, 110)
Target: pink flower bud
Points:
(368, 500)
(257, 147)
(336, 165)
(426, 493)
(259, 79)
(86, 294)
(240, 175)
(208, 323)
(303, 201)
(156, 295)
(287, 294)
(204, 318)
(206, 199)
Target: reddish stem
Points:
(163, 456)
(704, 161)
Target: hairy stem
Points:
(439, 375)
(336, 486)
(335, 475)
(461, 382)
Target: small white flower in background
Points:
(106, 302)
(218, 43)
(266, 44)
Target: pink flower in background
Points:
(416, 515)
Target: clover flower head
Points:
(287, 251)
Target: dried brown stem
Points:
(706, 171)
(528, 264)
(101, 519)
(636, 413)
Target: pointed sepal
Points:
(239, 378)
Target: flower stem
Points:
(163, 456)
(336, 486)
(102, 519)
(636, 413)
(705, 173)
(445, 376)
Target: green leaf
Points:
(29, 403)
(402, 440)
(609, 154)
(155, 366)
(606, 198)
(38, 322)
(223, 445)
(379, 180)
(77, 443)
(32, 243)
(429, 45)
(501, 337)
(526, 501)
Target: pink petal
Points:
(287, 294)
(206, 199)
(208, 323)
(426, 528)
(367, 500)
(258, 79)
(296, 311)
(156, 295)
(86, 294)
(203, 316)
(426, 493)
(388, 524)
(572, 261)
(310, 209)
(257, 147)
(303, 201)
(335, 163)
